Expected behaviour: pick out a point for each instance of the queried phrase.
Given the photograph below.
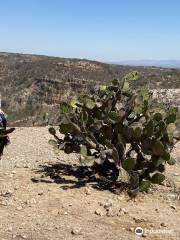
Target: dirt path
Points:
(42, 198)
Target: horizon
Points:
(88, 59)
(105, 31)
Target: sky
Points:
(104, 30)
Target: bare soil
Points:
(44, 196)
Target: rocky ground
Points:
(43, 196)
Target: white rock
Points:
(10, 229)
(87, 191)
(98, 212)
(171, 196)
(24, 236)
(123, 211)
(76, 231)
(173, 207)
(33, 201)
(19, 208)
(108, 204)
(131, 229)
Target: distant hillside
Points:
(150, 63)
(32, 86)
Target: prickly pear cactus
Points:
(116, 129)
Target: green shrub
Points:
(118, 130)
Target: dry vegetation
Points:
(34, 85)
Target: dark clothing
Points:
(4, 140)
(3, 121)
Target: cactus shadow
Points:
(76, 176)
